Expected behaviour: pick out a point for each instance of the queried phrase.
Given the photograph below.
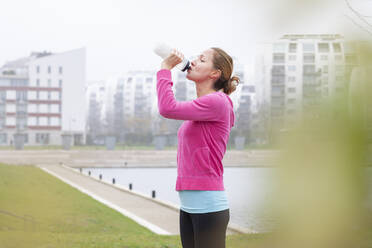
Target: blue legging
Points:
(204, 230)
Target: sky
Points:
(120, 35)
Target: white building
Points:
(42, 97)
(298, 71)
(133, 95)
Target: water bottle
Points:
(163, 50)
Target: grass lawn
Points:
(38, 210)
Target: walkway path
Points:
(157, 217)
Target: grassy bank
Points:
(38, 210)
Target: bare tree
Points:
(360, 18)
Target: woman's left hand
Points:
(173, 59)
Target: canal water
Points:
(247, 190)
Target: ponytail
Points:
(224, 62)
(231, 85)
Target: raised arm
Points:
(205, 108)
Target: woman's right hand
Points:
(173, 59)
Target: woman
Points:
(202, 140)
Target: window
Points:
(10, 121)
(55, 121)
(149, 80)
(43, 95)
(49, 69)
(3, 138)
(292, 57)
(336, 47)
(43, 121)
(278, 70)
(4, 82)
(37, 82)
(277, 89)
(280, 47)
(31, 121)
(309, 69)
(248, 88)
(323, 47)
(139, 80)
(60, 70)
(338, 57)
(291, 100)
(278, 58)
(309, 58)
(25, 135)
(10, 108)
(11, 95)
(48, 95)
(54, 95)
(278, 79)
(292, 90)
(308, 47)
(2, 124)
(21, 108)
(21, 123)
(38, 69)
(291, 68)
(55, 108)
(21, 95)
(325, 68)
(49, 82)
(291, 79)
(42, 138)
(323, 57)
(43, 108)
(292, 47)
(31, 108)
(277, 102)
(60, 83)
(2, 95)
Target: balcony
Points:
(278, 58)
(278, 70)
(309, 58)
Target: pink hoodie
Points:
(202, 137)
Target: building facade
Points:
(42, 97)
(297, 72)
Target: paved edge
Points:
(234, 227)
(128, 214)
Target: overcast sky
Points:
(119, 35)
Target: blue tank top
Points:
(202, 201)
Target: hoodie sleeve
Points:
(205, 108)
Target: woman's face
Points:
(202, 67)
